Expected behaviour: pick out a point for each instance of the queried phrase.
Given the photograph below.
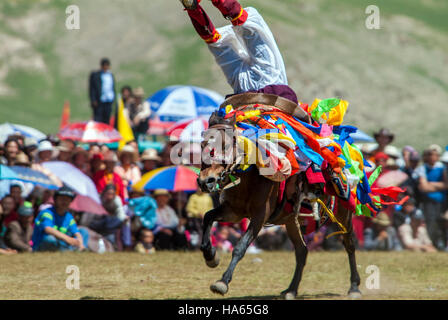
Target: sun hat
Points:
(138, 92)
(160, 192)
(436, 148)
(45, 145)
(382, 219)
(128, 150)
(64, 146)
(150, 154)
(26, 209)
(22, 159)
(110, 157)
(384, 132)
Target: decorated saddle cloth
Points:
(281, 145)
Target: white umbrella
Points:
(7, 129)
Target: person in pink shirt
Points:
(128, 171)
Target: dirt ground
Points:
(179, 275)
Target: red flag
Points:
(65, 119)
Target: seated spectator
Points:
(221, 239)
(272, 238)
(9, 210)
(168, 229)
(18, 234)
(414, 235)
(45, 152)
(65, 149)
(149, 160)
(107, 176)
(145, 245)
(402, 214)
(3, 248)
(80, 159)
(96, 164)
(117, 216)
(55, 228)
(11, 150)
(381, 236)
(198, 205)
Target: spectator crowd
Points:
(33, 218)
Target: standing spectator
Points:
(107, 176)
(128, 170)
(55, 228)
(167, 235)
(149, 160)
(383, 138)
(126, 96)
(381, 236)
(410, 168)
(18, 234)
(433, 185)
(414, 235)
(138, 113)
(102, 92)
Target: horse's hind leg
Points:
(207, 249)
(222, 286)
(301, 252)
(349, 244)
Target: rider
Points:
(249, 57)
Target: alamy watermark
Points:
(73, 19)
(72, 282)
(373, 20)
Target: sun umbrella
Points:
(391, 178)
(172, 178)
(9, 128)
(361, 136)
(7, 173)
(189, 130)
(90, 131)
(35, 177)
(74, 178)
(175, 103)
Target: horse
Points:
(255, 197)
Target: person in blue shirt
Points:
(433, 185)
(102, 92)
(55, 228)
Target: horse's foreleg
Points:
(222, 285)
(207, 249)
(301, 253)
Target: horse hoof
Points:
(355, 295)
(290, 296)
(219, 287)
(213, 263)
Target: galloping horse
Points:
(256, 198)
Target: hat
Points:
(78, 150)
(130, 150)
(22, 158)
(150, 154)
(111, 157)
(382, 219)
(384, 132)
(65, 191)
(435, 147)
(381, 155)
(415, 156)
(45, 145)
(26, 209)
(138, 92)
(30, 142)
(64, 146)
(160, 192)
(392, 151)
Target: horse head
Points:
(219, 153)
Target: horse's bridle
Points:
(230, 168)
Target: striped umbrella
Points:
(189, 130)
(7, 129)
(90, 131)
(35, 177)
(172, 178)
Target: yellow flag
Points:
(123, 126)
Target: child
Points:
(145, 245)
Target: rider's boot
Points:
(231, 10)
(201, 21)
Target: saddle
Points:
(249, 100)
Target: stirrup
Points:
(190, 4)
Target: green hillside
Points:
(395, 77)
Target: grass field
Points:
(391, 77)
(174, 275)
